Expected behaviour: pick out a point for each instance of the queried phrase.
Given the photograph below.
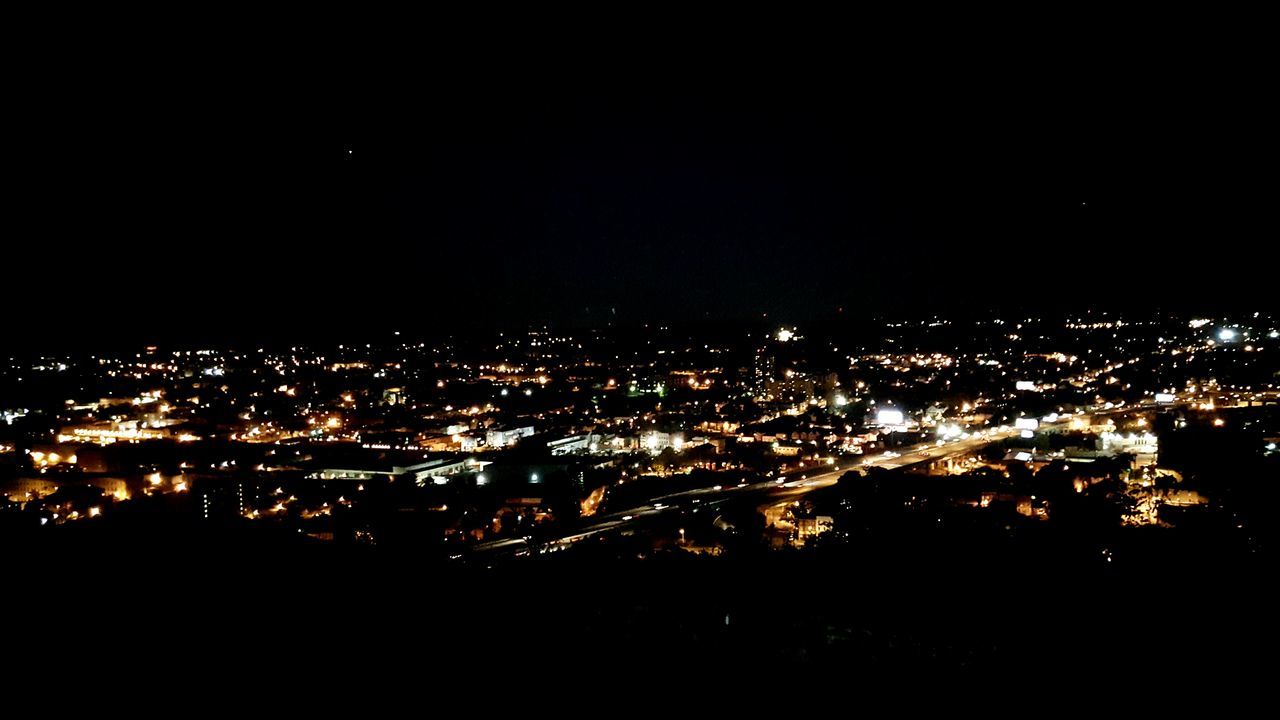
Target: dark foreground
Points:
(208, 617)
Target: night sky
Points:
(162, 207)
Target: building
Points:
(763, 369)
(433, 471)
(495, 438)
(587, 443)
(809, 528)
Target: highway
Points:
(783, 488)
(796, 483)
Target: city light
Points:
(889, 417)
(247, 396)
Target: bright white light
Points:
(1027, 434)
(1274, 334)
(841, 401)
(785, 335)
(1226, 335)
(1027, 424)
(534, 478)
(889, 417)
(481, 479)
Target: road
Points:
(792, 485)
(783, 488)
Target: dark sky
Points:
(154, 203)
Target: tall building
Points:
(763, 371)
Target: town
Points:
(486, 449)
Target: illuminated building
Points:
(497, 438)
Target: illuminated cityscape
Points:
(799, 381)
(497, 450)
